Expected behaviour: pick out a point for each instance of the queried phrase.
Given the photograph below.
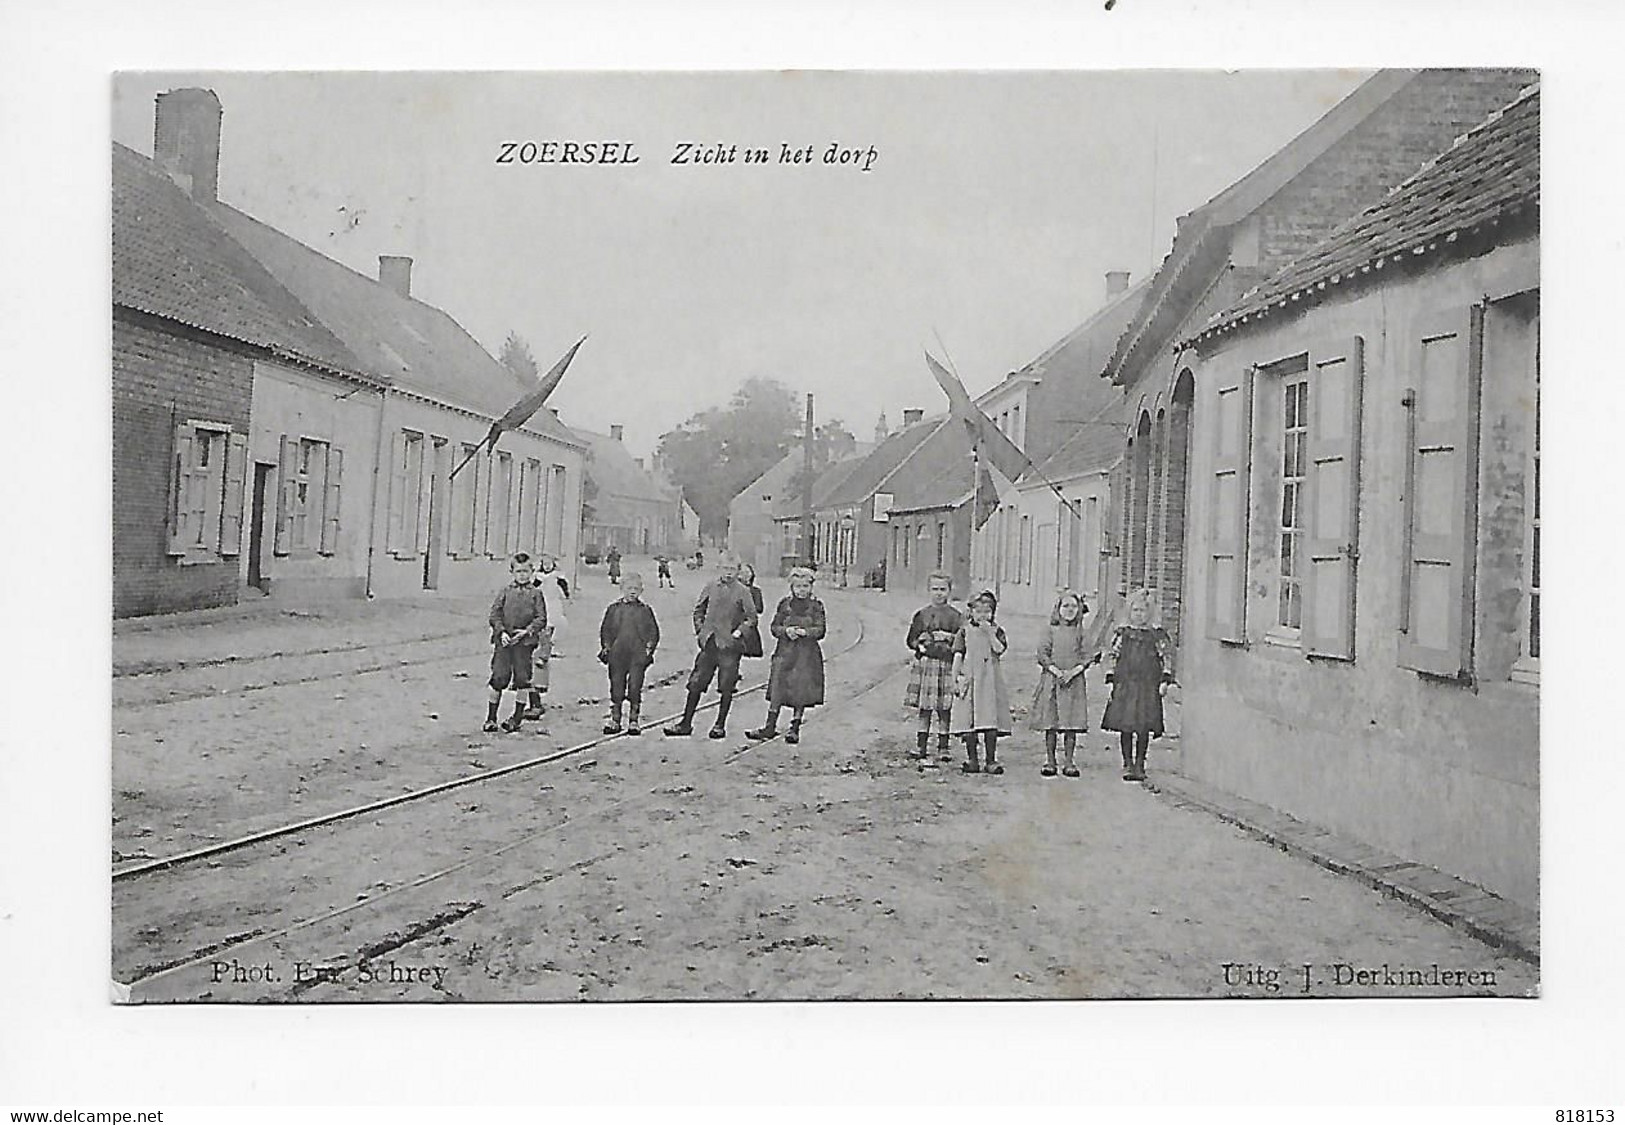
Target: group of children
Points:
(726, 629)
(958, 679)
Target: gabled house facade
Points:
(1365, 523)
(633, 510)
(850, 513)
(752, 532)
(934, 499)
(204, 342)
(342, 480)
(1363, 147)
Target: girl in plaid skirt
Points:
(930, 689)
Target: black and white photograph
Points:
(844, 535)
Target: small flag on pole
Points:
(522, 411)
(992, 489)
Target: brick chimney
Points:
(617, 431)
(186, 140)
(1116, 283)
(395, 272)
(912, 416)
(638, 461)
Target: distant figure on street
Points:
(518, 620)
(1139, 666)
(1059, 703)
(613, 559)
(796, 680)
(981, 703)
(627, 640)
(930, 688)
(663, 576)
(556, 593)
(721, 617)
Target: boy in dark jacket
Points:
(626, 643)
(518, 621)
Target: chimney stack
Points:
(1116, 283)
(638, 461)
(617, 431)
(395, 272)
(186, 141)
(912, 416)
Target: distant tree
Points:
(516, 357)
(716, 453)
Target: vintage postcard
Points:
(827, 535)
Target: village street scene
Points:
(777, 555)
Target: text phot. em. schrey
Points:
(730, 540)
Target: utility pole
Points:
(807, 486)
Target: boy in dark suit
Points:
(627, 640)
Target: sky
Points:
(994, 205)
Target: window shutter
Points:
(231, 518)
(181, 531)
(287, 483)
(330, 501)
(1227, 531)
(1332, 542)
(516, 488)
(481, 468)
(1441, 494)
(395, 536)
(428, 464)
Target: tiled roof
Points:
(788, 505)
(1486, 185)
(414, 344)
(617, 474)
(939, 473)
(172, 260)
(866, 476)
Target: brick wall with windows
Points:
(164, 374)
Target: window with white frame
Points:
(309, 493)
(406, 494)
(1294, 470)
(501, 502)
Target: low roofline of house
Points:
(278, 352)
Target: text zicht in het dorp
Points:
(833, 154)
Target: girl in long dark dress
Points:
(751, 642)
(796, 678)
(1139, 669)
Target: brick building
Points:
(1349, 159)
(284, 422)
(196, 321)
(1364, 588)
